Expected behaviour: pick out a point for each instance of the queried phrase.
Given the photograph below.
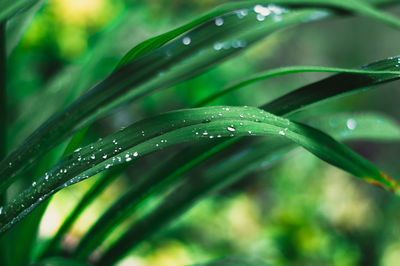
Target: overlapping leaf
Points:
(180, 126)
(233, 164)
(239, 28)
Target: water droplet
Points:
(93, 156)
(186, 40)
(135, 154)
(46, 176)
(231, 129)
(77, 150)
(262, 10)
(1, 209)
(105, 156)
(241, 115)
(219, 21)
(282, 133)
(351, 124)
(205, 133)
(260, 17)
(250, 132)
(108, 166)
(218, 46)
(33, 184)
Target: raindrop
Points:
(1, 209)
(186, 40)
(231, 129)
(46, 176)
(77, 150)
(205, 133)
(108, 166)
(218, 46)
(105, 156)
(260, 17)
(250, 132)
(282, 133)
(219, 21)
(262, 10)
(93, 156)
(351, 124)
(135, 154)
(33, 184)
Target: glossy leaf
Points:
(234, 165)
(238, 30)
(182, 58)
(181, 126)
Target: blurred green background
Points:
(297, 212)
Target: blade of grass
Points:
(116, 88)
(243, 157)
(236, 165)
(111, 92)
(182, 126)
(9, 8)
(17, 25)
(52, 246)
(276, 72)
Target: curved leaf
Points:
(181, 126)
(182, 58)
(246, 28)
(391, 71)
(236, 161)
(236, 165)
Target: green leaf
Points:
(9, 8)
(53, 245)
(157, 69)
(389, 72)
(17, 25)
(173, 57)
(352, 80)
(182, 126)
(234, 165)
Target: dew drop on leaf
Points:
(231, 129)
(219, 21)
(186, 40)
(351, 124)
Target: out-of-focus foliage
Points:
(301, 211)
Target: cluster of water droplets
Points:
(271, 10)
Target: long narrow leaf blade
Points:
(180, 58)
(236, 165)
(182, 126)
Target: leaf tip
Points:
(385, 182)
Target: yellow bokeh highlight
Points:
(81, 12)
